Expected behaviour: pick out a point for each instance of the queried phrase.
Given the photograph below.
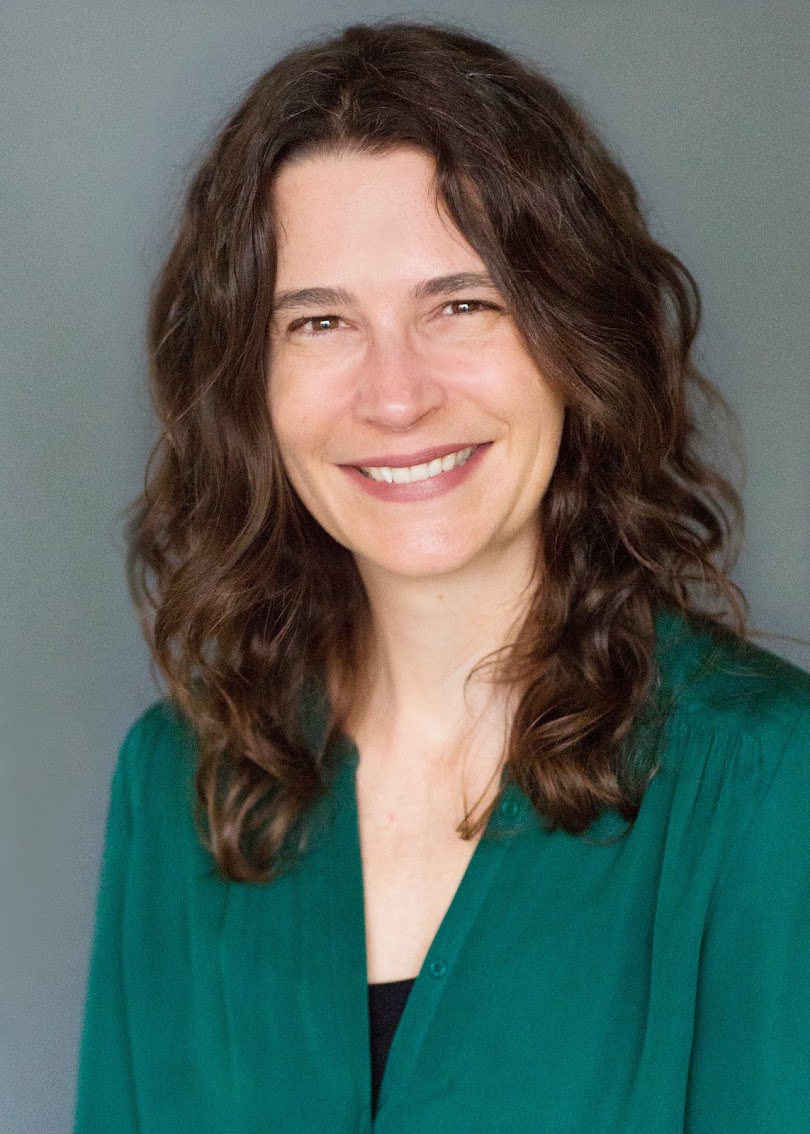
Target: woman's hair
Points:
(247, 603)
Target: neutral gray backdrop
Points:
(105, 108)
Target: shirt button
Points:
(509, 808)
(438, 968)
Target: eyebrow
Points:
(426, 289)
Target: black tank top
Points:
(385, 1006)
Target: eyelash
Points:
(298, 324)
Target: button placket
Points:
(431, 984)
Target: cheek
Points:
(539, 411)
(523, 398)
(305, 399)
(550, 415)
(301, 426)
(535, 396)
(292, 415)
(288, 426)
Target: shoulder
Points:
(736, 730)
(728, 745)
(158, 756)
(731, 684)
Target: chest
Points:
(560, 984)
(413, 862)
(407, 891)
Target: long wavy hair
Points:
(247, 603)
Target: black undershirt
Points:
(385, 1006)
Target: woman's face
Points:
(385, 362)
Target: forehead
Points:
(352, 213)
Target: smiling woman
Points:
(469, 805)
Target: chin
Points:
(417, 562)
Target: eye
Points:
(471, 306)
(319, 324)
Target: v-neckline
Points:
(346, 902)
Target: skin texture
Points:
(387, 374)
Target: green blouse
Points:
(656, 983)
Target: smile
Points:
(404, 484)
(410, 473)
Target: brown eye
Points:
(318, 323)
(471, 306)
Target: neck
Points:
(427, 636)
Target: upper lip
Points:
(403, 460)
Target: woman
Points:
(459, 691)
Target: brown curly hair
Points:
(247, 603)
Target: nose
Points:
(396, 384)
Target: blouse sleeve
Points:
(750, 1068)
(105, 1101)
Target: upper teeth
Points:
(419, 472)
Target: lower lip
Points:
(418, 489)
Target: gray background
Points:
(105, 108)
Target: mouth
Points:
(423, 470)
(393, 479)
